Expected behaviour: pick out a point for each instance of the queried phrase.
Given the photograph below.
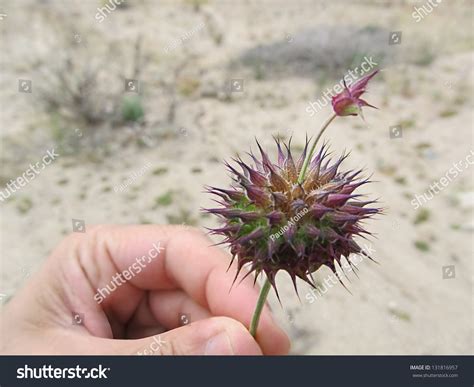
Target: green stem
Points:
(309, 156)
(258, 309)
(266, 286)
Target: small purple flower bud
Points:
(348, 102)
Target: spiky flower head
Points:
(272, 222)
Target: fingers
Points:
(240, 304)
(164, 310)
(211, 286)
(174, 308)
(213, 336)
(185, 261)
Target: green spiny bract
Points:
(272, 222)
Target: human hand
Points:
(139, 312)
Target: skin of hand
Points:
(142, 315)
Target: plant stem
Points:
(266, 286)
(258, 309)
(309, 156)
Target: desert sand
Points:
(184, 55)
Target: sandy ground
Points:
(192, 122)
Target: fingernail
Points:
(219, 345)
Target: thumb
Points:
(213, 336)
